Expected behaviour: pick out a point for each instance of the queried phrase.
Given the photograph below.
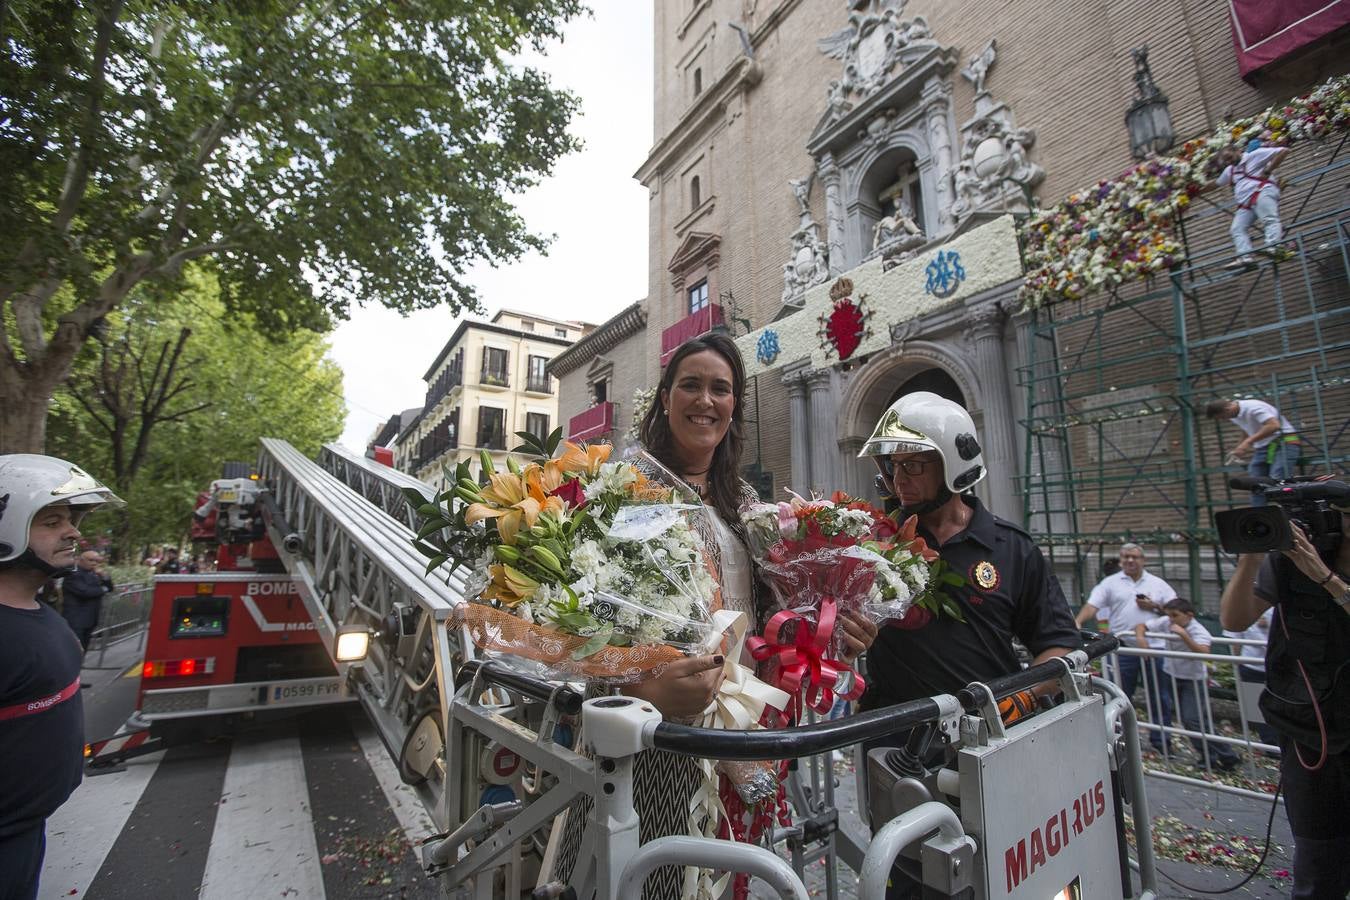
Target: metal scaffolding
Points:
(1116, 445)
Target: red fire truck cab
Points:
(231, 642)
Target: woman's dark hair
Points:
(724, 493)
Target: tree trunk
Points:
(23, 424)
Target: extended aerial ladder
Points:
(487, 748)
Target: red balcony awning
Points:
(691, 326)
(1265, 32)
(591, 423)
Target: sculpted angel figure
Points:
(977, 68)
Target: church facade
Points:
(836, 183)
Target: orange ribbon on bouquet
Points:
(803, 669)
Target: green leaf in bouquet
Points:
(462, 471)
(414, 497)
(552, 442)
(428, 509)
(426, 549)
(599, 640)
(950, 608)
(436, 561)
(431, 526)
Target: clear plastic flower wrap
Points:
(824, 560)
(587, 569)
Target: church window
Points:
(698, 296)
(695, 192)
(698, 82)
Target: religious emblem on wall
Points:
(844, 326)
(767, 348)
(944, 274)
(870, 48)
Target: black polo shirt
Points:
(1009, 591)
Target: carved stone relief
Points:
(994, 172)
(809, 260)
(871, 49)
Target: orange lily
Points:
(909, 534)
(543, 480)
(584, 458)
(507, 501)
(509, 585)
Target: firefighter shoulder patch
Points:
(984, 575)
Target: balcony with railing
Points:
(497, 378)
(696, 324)
(541, 385)
(591, 423)
(449, 379)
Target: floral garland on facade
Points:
(1125, 228)
(643, 398)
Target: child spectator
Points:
(1188, 675)
(1256, 194)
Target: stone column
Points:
(831, 177)
(997, 439)
(856, 479)
(798, 428)
(938, 115)
(824, 469)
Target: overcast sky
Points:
(597, 264)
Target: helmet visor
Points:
(83, 489)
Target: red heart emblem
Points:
(844, 327)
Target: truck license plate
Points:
(290, 693)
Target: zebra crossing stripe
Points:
(82, 832)
(263, 844)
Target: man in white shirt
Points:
(1257, 196)
(1271, 439)
(1187, 676)
(1124, 600)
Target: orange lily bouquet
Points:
(584, 565)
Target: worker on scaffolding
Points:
(1257, 196)
(1271, 440)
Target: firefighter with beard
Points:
(42, 500)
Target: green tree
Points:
(230, 387)
(322, 152)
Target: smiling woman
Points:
(696, 426)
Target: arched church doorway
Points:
(935, 380)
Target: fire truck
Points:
(1033, 808)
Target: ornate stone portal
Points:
(883, 148)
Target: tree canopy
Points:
(321, 153)
(232, 385)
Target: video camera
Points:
(1307, 504)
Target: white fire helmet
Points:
(924, 421)
(29, 482)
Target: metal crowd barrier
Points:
(1244, 696)
(124, 615)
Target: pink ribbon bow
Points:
(803, 669)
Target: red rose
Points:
(571, 493)
(917, 617)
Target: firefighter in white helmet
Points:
(42, 500)
(929, 457)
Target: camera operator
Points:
(1307, 696)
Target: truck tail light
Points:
(169, 668)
